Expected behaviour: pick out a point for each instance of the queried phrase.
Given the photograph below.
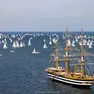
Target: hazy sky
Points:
(46, 15)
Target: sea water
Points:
(21, 72)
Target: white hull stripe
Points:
(70, 82)
(68, 79)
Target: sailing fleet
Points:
(16, 40)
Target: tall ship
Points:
(65, 75)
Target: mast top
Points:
(67, 32)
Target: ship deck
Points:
(71, 75)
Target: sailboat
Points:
(14, 44)
(44, 46)
(5, 46)
(11, 51)
(29, 43)
(50, 42)
(21, 44)
(65, 75)
(90, 45)
(35, 52)
(73, 43)
(69, 43)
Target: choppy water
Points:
(24, 73)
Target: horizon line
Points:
(49, 31)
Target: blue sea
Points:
(22, 72)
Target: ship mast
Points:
(56, 56)
(82, 53)
(66, 50)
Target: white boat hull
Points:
(35, 52)
(70, 81)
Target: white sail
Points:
(14, 45)
(87, 43)
(69, 42)
(76, 40)
(80, 43)
(50, 43)
(5, 46)
(10, 40)
(44, 46)
(73, 44)
(2, 41)
(17, 44)
(90, 46)
(54, 40)
(21, 44)
(29, 43)
(91, 42)
(34, 51)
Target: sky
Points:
(46, 15)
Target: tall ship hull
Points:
(72, 78)
(69, 81)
